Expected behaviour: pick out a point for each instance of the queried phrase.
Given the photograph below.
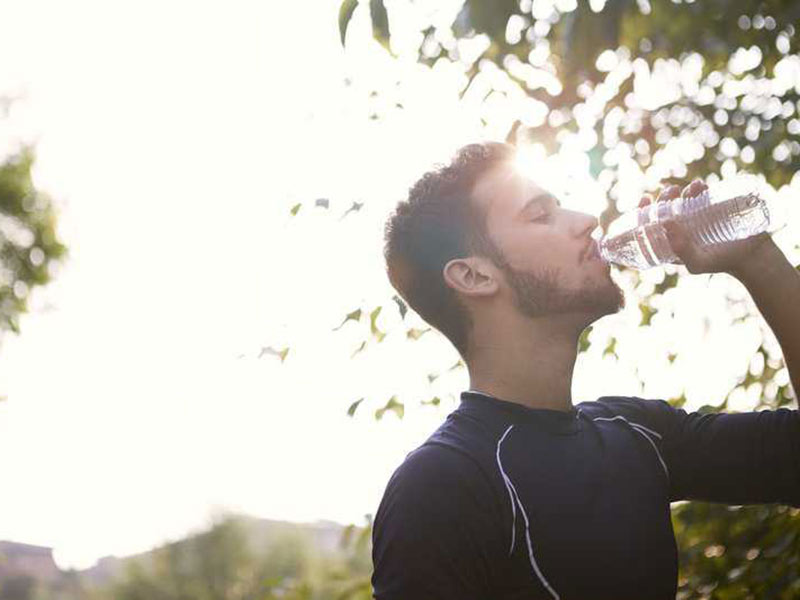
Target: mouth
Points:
(591, 252)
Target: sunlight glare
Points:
(529, 159)
(547, 171)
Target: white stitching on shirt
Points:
(638, 428)
(510, 488)
(655, 433)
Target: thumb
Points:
(677, 239)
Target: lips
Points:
(591, 251)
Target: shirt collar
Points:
(505, 412)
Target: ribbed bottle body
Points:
(638, 239)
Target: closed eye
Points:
(544, 218)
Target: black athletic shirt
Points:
(506, 502)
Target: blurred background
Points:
(206, 379)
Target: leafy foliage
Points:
(229, 562)
(29, 246)
(661, 91)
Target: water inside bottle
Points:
(645, 246)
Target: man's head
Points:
(476, 234)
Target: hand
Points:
(729, 257)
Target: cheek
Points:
(527, 249)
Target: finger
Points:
(669, 193)
(694, 189)
(679, 241)
(645, 200)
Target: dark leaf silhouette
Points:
(380, 23)
(359, 349)
(356, 206)
(353, 407)
(346, 10)
(401, 306)
(353, 316)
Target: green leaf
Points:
(415, 334)
(458, 365)
(296, 208)
(432, 377)
(400, 305)
(345, 14)
(435, 401)
(583, 341)
(670, 281)
(380, 23)
(14, 324)
(353, 316)
(393, 405)
(352, 410)
(678, 402)
(647, 313)
(359, 349)
(270, 350)
(373, 316)
(611, 347)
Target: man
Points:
(520, 494)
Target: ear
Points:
(472, 276)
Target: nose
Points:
(583, 224)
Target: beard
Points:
(539, 295)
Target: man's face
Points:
(546, 265)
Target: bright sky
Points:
(175, 137)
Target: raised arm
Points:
(774, 285)
(760, 265)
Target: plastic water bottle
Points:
(637, 238)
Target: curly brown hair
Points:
(437, 223)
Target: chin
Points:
(610, 300)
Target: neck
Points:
(527, 361)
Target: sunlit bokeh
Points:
(222, 179)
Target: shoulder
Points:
(432, 465)
(653, 413)
(437, 483)
(625, 405)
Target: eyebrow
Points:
(539, 199)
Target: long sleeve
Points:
(732, 458)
